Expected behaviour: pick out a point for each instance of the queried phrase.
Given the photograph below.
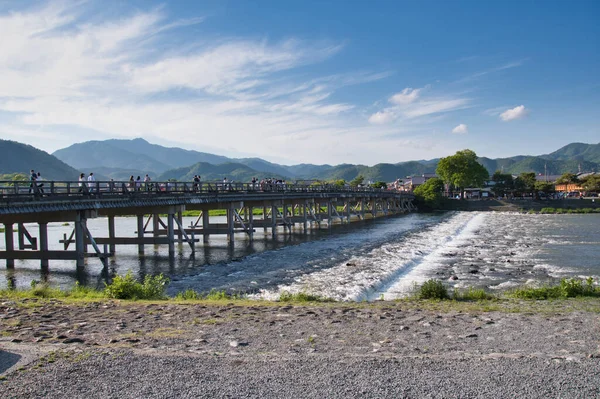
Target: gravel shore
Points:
(53, 349)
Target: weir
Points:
(159, 208)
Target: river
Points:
(382, 258)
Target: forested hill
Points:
(119, 159)
(21, 158)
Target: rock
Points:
(234, 344)
(16, 340)
(452, 278)
(470, 336)
(473, 271)
(73, 340)
(403, 328)
(350, 264)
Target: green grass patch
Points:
(551, 210)
(567, 288)
(431, 289)
(302, 297)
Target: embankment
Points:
(519, 205)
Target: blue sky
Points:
(315, 82)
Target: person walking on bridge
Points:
(32, 184)
(82, 187)
(91, 182)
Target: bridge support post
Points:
(305, 217)
(362, 208)
(230, 223)
(250, 215)
(265, 218)
(205, 224)
(273, 219)
(180, 219)
(140, 233)
(171, 233)
(9, 241)
(80, 239)
(155, 224)
(329, 218)
(111, 234)
(43, 243)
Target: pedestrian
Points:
(138, 184)
(40, 186)
(196, 182)
(91, 182)
(82, 187)
(32, 179)
(131, 183)
(147, 183)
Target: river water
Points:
(381, 258)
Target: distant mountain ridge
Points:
(21, 158)
(118, 159)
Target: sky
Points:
(323, 82)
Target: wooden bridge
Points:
(158, 207)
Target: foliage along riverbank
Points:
(153, 288)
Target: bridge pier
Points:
(43, 227)
(80, 239)
(205, 223)
(10, 246)
(140, 233)
(111, 233)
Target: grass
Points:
(550, 210)
(302, 297)
(567, 288)
(432, 294)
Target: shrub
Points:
(126, 287)
(472, 294)
(286, 296)
(432, 289)
(567, 288)
(188, 295)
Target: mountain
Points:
(118, 159)
(21, 158)
(576, 152)
(136, 154)
(236, 172)
(96, 154)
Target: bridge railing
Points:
(86, 189)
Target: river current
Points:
(382, 258)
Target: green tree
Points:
(591, 183)
(504, 183)
(567, 178)
(462, 170)
(357, 181)
(544, 187)
(430, 193)
(340, 183)
(525, 183)
(379, 184)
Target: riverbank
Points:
(518, 205)
(106, 349)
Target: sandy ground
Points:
(111, 349)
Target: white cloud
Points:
(65, 78)
(406, 96)
(514, 113)
(461, 129)
(382, 117)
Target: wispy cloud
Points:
(515, 113)
(409, 104)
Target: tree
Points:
(379, 184)
(567, 178)
(504, 183)
(358, 180)
(591, 183)
(462, 170)
(340, 183)
(525, 183)
(430, 192)
(544, 187)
